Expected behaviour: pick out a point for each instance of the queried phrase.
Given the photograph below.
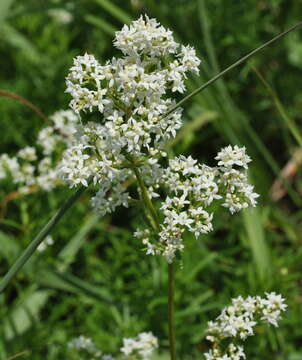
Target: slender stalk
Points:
(154, 215)
(27, 253)
(229, 68)
(11, 95)
(146, 198)
(171, 312)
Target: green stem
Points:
(27, 253)
(235, 64)
(154, 215)
(171, 312)
(146, 198)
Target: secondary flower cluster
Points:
(192, 188)
(141, 347)
(237, 321)
(28, 169)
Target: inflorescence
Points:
(237, 321)
(117, 134)
(141, 347)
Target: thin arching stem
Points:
(11, 95)
(28, 252)
(229, 68)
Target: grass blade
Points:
(257, 242)
(231, 67)
(101, 23)
(69, 252)
(4, 7)
(11, 95)
(293, 128)
(115, 11)
(27, 253)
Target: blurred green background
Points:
(95, 280)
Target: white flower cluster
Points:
(61, 16)
(141, 347)
(237, 322)
(48, 241)
(238, 192)
(27, 170)
(82, 343)
(127, 98)
(192, 188)
(120, 132)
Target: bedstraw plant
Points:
(123, 116)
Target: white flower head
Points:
(230, 156)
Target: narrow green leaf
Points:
(257, 242)
(68, 253)
(4, 8)
(100, 23)
(290, 123)
(19, 41)
(190, 275)
(231, 67)
(19, 315)
(84, 287)
(28, 252)
(115, 11)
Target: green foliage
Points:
(95, 280)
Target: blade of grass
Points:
(4, 8)
(28, 252)
(293, 128)
(102, 24)
(188, 129)
(231, 67)
(257, 243)
(68, 253)
(24, 313)
(115, 11)
(84, 287)
(11, 95)
(20, 42)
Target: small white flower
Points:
(48, 241)
(238, 320)
(143, 345)
(230, 156)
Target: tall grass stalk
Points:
(231, 67)
(28, 252)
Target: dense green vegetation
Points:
(95, 280)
